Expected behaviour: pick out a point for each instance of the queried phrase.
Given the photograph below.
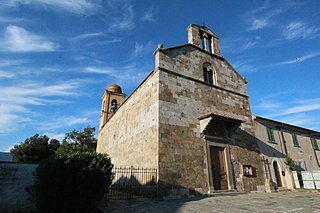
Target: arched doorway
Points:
(277, 173)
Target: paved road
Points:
(283, 202)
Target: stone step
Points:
(219, 193)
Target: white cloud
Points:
(77, 120)
(121, 72)
(17, 39)
(80, 7)
(149, 15)
(243, 67)
(10, 62)
(300, 113)
(101, 70)
(15, 102)
(258, 24)
(7, 19)
(123, 21)
(5, 74)
(11, 118)
(262, 17)
(57, 136)
(96, 39)
(58, 122)
(299, 29)
(88, 60)
(249, 45)
(298, 109)
(289, 108)
(140, 49)
(37, 90)
(306, 120)
(300, 59)
(266, 104)
(88, 35)
(300, 119)
(128, 74)
(8, 148)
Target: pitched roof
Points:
(222, 116)
(286, 126)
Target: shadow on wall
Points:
(130, 187)
(15, 177)
(273, 172)
(246, 150)
(254, 144)
(133, 182)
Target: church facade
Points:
(190, 118)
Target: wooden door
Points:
(218, 166)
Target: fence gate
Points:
(133, 182)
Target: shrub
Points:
(71, 183)
(290, 163)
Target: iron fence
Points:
(133, 182)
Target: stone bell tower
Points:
(203, 37)
(112, 98)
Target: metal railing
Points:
(129, 183)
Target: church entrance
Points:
(218, 131)
(218, 168)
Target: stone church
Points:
(190, 119)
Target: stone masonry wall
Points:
(183, 99)
(188, 61)
(130, 137)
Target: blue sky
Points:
(57, 56)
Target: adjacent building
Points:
(278, 141)
(191, 120)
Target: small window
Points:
(207, 73)
(295, 140)
(270, 135)
(247, 170)
(314, 144)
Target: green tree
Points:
(71, 183)
(290, 162)
(78, 140)
(35, 149)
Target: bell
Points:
(113, 107)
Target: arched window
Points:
(114, 105)
(207, 73)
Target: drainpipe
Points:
(281, 142)
(284, 141)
